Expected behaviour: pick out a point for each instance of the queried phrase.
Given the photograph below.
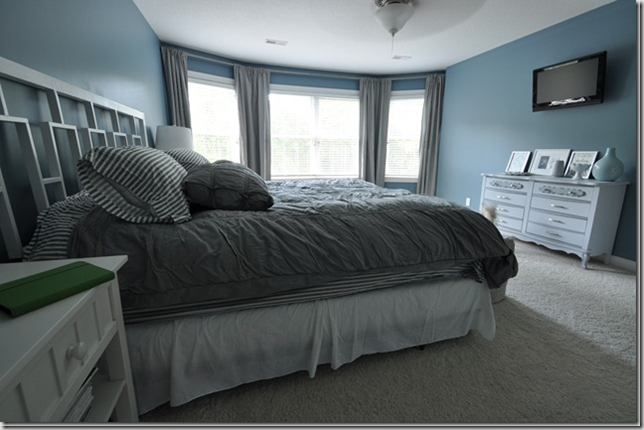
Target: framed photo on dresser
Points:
(544, 159)
(581, 157)
(518, 162)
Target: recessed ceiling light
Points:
(276, 42)
(401, 57)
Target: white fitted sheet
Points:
(182, 359)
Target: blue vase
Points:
(609, 167)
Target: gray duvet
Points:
(316, 232)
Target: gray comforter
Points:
(316, 232)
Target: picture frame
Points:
(544, 159)
(588, 157)
(518, 161)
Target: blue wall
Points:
(105, 46)
(488, 113)
(220, 66)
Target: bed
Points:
(231, 279)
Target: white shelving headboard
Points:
(92, 121)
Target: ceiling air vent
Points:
(276, 42)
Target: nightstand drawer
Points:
(571, 238)
(76, 345)
(558, 221)
(43, 389)
(561, 206)
(505, 197)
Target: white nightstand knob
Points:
(78, 351)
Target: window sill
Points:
(401, 180)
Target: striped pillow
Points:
(54, 227)
(188, 158)
(135, 183)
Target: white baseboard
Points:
(623, 263)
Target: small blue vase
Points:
(609, 167)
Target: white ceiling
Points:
(343, 35)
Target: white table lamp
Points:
(173, 137)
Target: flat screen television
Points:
(576, 82)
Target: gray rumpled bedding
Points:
(316, 232)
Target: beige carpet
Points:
(565, 352)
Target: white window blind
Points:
(215, 118)
(314, 136)
(403, 137)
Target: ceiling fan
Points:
(394, 14)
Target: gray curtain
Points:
(430, 133)
(175, 70)
(252, 86)
(375, 95)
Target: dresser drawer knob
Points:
(503, 197)
(555, 220)
(552, 233)
(558, 206)
(78, 351)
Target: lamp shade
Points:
(394, 16)
(172, 137)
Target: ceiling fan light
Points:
(394, 16)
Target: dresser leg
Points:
(584, 261)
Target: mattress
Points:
(317, 234)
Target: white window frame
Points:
(298, 90)
(405, 94)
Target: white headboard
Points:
(38, 115)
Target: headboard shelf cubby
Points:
(46, 125)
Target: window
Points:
(215, 118)
(403, 136)
(314, 133)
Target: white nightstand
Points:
(39, 375)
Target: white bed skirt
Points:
(182, 359)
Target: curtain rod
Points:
(292, 72)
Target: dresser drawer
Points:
(507, 211)
(558, 221)
(505, 197)
(571, 238)
(503, 222)
(579, 193)
(506, 184)
(567, 207)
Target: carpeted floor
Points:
(565, 352)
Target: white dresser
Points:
(578, 217)
(47, 354)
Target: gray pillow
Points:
(227, 185)
(188, 158)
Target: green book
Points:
(32, 292)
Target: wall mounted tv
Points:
(576, 82)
